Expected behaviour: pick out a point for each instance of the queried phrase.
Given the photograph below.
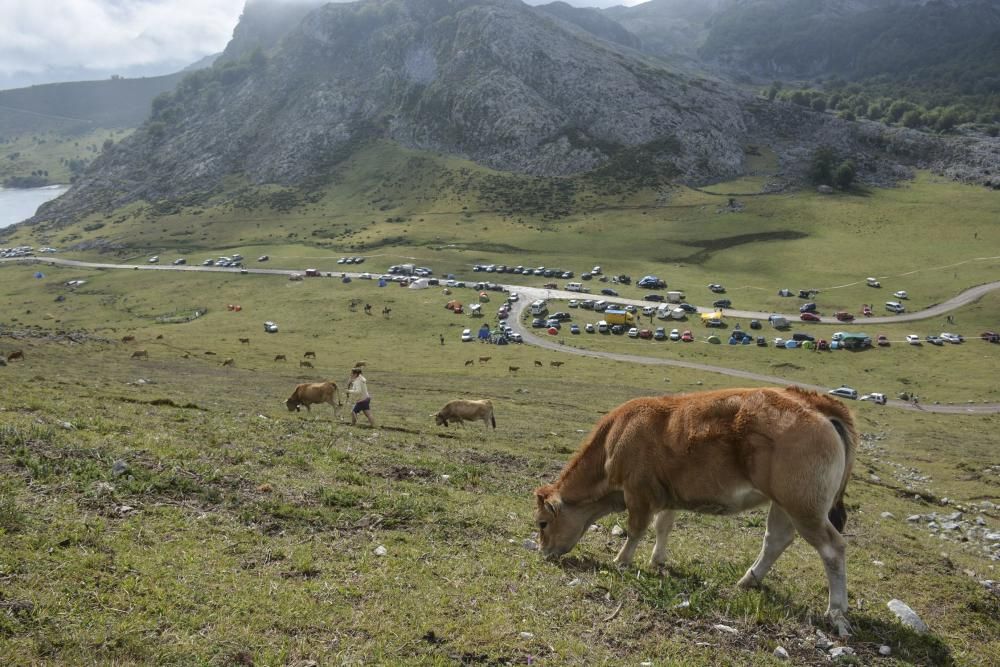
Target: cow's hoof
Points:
(840, 623)
(749, 580)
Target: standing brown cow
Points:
(244, 341)
(305, 364)
(280, 357)
(16, 354)
(309, 355)
(140, 354)
(307, 394)
(229, 361)
(716, 452)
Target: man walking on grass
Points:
(357, 391)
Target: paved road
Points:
(528, 294)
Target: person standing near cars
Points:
(357, 391)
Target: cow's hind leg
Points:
(663, 524)
(638, 521)
(823, 536)
(780, 533)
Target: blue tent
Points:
(39, 274)
(381, 282)
(484, 332)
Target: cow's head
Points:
(293, 404)
(440, 419)
(560, 525)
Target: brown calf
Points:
(280, 357)
(140, 354)
(244, 341)
(16, 354)
(309, 355)
(305, 364)
(470, 362)
(556, 364)
(228, 361)
(538, 363)
(483, 360)
(718, 452)
(513, 369)
(128, 339)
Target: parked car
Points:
(466, 335)
(990, 336)
(687, 308)
(821, 344)
(208, 262)
(562, 316)
(607, 291)
(802, 337)
(808, 307)
(844, 392)
(154, 259)
(809, 317)
(779, 342)
(934, 340)
(874, 397)
(179, 261)
(913, 339)
(553, 323)
(645, 334)
(843, 316)
(722, 303)
(538, 323)
(270, 327)
(589, 327)
(873, 282)
(574, 328)
(761, 341)
(633, 333)
(618, 329)
(659, 334)
(882, 340)
(755, 324)
(894, 307)
(687, 336)
(516, 337)
(654, 297)
(675, 334)
(901, 294)
(953, 338)
(648, 310)
(717, 288)
(573, 303)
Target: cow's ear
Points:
(548, 499)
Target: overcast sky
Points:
(44, 41)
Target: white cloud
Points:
(103, 35)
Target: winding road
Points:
(529, 294)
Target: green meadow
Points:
(170, 510)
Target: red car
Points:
(882, 340)
(687, 337)
(843, 316)
(809, 317)
(645, 333)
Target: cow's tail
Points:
(493, 418)
(849, 439)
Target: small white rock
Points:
(647, 663)
(574, 582)
(885, 650)
(907, 616)
(527, 635)
(616, 531)
(781, 653)
(888, 515)
(841, 652)
(446, 477)
(380, 550)
(877, 563)
(725, 628)
(530, 545)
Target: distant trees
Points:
(826, 168)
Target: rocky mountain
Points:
(594, 22)
(496, 81)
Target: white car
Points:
(952, 337)
(779, 342)
(466, 335)
(875, 397)
(648, 310)
(573, 303)
(154, 259)
(913, 339)
(270, 327)
(901, 294)
(516, 337)
(513, 296)
(633, 333)
(589, 327)
(675, 334)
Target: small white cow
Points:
(463, 410)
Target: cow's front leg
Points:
(663, 524)
(638, 522)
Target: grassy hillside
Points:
(41, 159)
(233, 532)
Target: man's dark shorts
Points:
(361, 406)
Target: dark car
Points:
(809, 317)
(687, 308)
(553, 323)
(561, 316)
(754, 324)
(722, 303)
(653, 297)
(537, 323)
(607, 291)
(802, 336)
(574, 329)
(808, 307)
(761, 341)
(618, 329)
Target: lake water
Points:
(20, 204)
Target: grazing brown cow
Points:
(717, 452)
(244, 341)
(312, 393)
(470, 362)
(556, 364)
(513, 369)
(228, 361)
(159, 337)
(305, 364)
(128, 339)
(538, 363)
(280, 357)
(210, 353)
(309, 355)
(483, 360)
(16, 354)
(463, 410)
(140, 354)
